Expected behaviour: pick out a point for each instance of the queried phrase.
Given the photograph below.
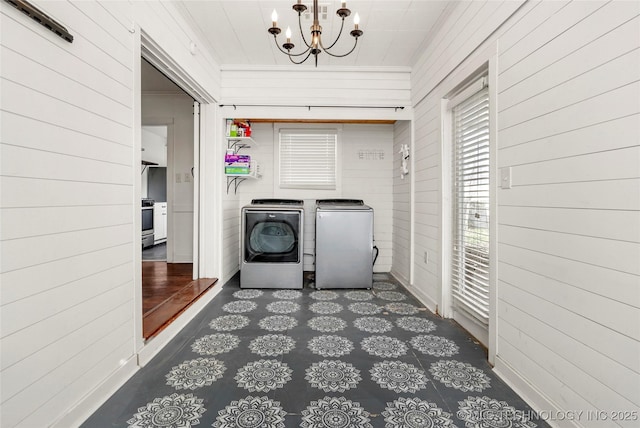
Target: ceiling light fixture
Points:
(315, 46)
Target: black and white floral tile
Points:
(258, 358)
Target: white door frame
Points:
(489, 63)
(148, 49)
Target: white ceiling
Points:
(395, 31)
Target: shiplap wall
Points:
(67, 194)
(569, 229)
(366, 179)
(68, 205)
(342, 86)
(401, 235)
(230, 230)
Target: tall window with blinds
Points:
(308, 159)
(470, 252)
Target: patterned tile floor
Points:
(317, 358)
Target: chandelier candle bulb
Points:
(274, 18)
(356, 20)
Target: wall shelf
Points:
(239, 143)
(236, 144)
(236, 179)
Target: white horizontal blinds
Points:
(470, 259)
(308, 159)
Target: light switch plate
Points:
(505, 177)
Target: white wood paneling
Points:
(20, 69)
(26, 102)
(576, 89)
(593, 223)
(575, 369)
(45, 165)
(598, 108)
(591, 195)
(163, 23)
(579, 327)
(58, 273)
(621, 286)
(569, 241)
(28, 131)
(67, 371)
(568, 31)
(59, 299)
(55, 55)
(68, 207)
(469, 24)
(231, 238)
(350, 87)
(615, 44)
(609, 135)
(563, 190)
(401, 232)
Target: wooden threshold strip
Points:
(158, 318)
(167, 290)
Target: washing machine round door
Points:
(271, 237)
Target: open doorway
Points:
(168, 144)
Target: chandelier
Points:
(314, 46)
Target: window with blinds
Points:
(307, 159)
(470, 252)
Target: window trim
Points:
(472, 70)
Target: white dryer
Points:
(272, 244)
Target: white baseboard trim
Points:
(155, 344)
(95, 398)
(426, 300)
(399, 277)
(545, 408)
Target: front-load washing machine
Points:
(272, 244)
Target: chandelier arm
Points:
(305, 58)
(289, 53)
(302, 32)
(343, 55)
(335, 41)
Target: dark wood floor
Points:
(167, 290)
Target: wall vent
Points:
(323, 12)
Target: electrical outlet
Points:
(187, 177)
(426, 257)
(178, 177)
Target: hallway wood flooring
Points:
(167, 290)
